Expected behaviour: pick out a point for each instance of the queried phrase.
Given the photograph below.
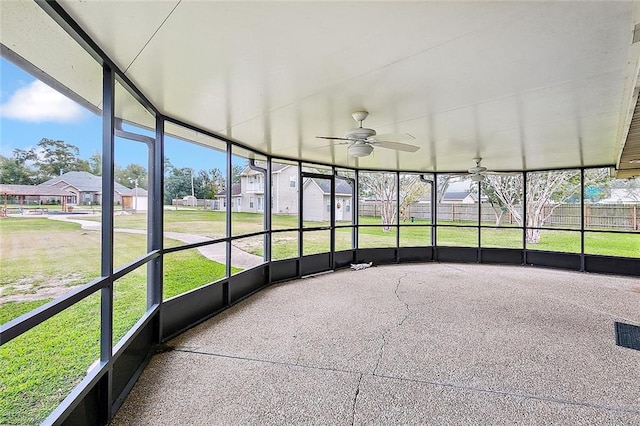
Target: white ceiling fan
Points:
(478, 172)
(362, 140)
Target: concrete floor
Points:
(405, 344)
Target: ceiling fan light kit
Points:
(359, 149)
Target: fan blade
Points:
(333, 144)
(332, 138)
(502, 173)
(396, 145)
(391, 137)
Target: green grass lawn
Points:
(625, 245)
(36, 249)
(207, 223)
(40, 367)
(285, 245)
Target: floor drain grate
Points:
(628, 336)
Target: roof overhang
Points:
(629, 161)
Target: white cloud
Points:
(38, 102)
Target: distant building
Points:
(317, 200)
(86, 188)
(248, 195)
(252, 190)
(464, 197)
(32, 194)
(284, 190)
(220, 202)
(622, 196)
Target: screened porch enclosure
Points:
(239, 194)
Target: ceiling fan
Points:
(362, 140)
(478, 172)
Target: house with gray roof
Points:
(236, 199)
(248, 195)
(317, 200)
(26, 195)
(464, 197)
(86, 188)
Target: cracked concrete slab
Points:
(309, 331)
(405, 344)
(391, 401)
(241, 392)
(490, 333)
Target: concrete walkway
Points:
(405, 344)
(215, 252)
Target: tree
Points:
(382, 188)
(50, 158)
(177, 184)
(95, 163)
(443, 185)
(15, 170)
(207, 183)
(57, 157)
(502, 192)
(167, 166)
(236, 170)
(411, 189)
(545, 192)
(133, 174)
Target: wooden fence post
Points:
(587, 215)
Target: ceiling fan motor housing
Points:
(477, 169)
(360, 133)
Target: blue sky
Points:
(30, 111)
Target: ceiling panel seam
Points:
(152, 36)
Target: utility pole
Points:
(135, 194)
(192, 190)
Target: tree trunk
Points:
(535, 219)
(533, 236)
(498, 212)
(387, 215)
